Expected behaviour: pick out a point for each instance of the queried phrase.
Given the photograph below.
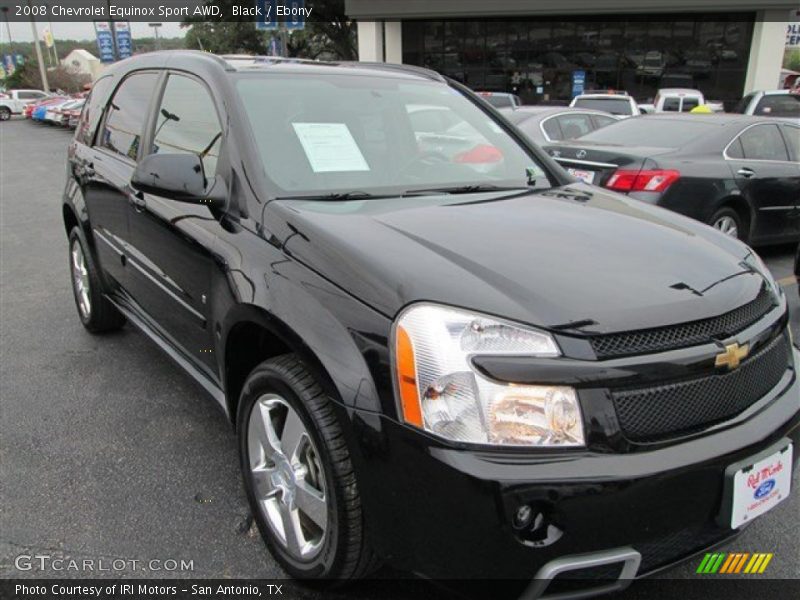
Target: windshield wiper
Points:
(466, 189)
(334, 196)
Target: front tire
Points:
(298, 474)
(5, 113)
(729, 222)
(96, 312)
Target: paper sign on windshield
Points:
(330, 147)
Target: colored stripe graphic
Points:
(734, 562)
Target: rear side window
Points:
(786, 105)
(552, 129)
(187, 122)
(601, 121)
(792, 136)
(93, 110)
(763, 142)
(127, 111)
(30, 95)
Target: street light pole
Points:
(39, 58)
(155, 27)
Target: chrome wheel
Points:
(80, 280)
(288, 481)
(728, 226)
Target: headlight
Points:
(442, 393)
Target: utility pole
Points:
(39, 58)
(8, 25)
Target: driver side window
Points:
(187, 122)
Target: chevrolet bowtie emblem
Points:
(733, 356)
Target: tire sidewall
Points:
(75, 236)
(729, 212)
(5, 113)
(265, 380)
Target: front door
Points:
(172, 242)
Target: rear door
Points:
(106, 169)
(768, 179)
(171, 242)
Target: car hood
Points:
(570, 258)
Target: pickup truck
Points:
(13, 101)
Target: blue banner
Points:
(105, 41)
(8, 65)
(297, 19)
(267, 18)
(124, 41)
(578, 82)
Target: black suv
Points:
(437, 348)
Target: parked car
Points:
(544, 124)
(618, 104)
(677, 100)
(476, 373)
(53, 114)
(13, 102)
(501, 99)
(72, 115)
(743, 177)
(770, 103)
(39, 110)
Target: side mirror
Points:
(178, 177)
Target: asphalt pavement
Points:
(109, 451)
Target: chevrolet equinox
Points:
(438, 349)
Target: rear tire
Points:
(729, 222)
(96, 312)
(302, 482)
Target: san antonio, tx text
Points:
(134, 589)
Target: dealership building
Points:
(540, 49)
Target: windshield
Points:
(615, 106)
(322, 135)
(647, 131)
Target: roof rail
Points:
(259, 59)
(421, 71)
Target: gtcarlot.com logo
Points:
(48, 562)
(733, 563)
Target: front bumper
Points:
(448, 513)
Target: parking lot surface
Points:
(108, 450)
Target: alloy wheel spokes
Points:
(287, 476)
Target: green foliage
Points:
(328, 36)
(791, 59)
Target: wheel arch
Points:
(742, 207)
(252, 335)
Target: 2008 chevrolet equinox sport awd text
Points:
(437, 348)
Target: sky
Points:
(21, 31)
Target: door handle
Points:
(745, 172)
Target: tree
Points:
(330, 35)
(27, 76)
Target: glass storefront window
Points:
(536, 59)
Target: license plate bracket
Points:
(756, 485)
